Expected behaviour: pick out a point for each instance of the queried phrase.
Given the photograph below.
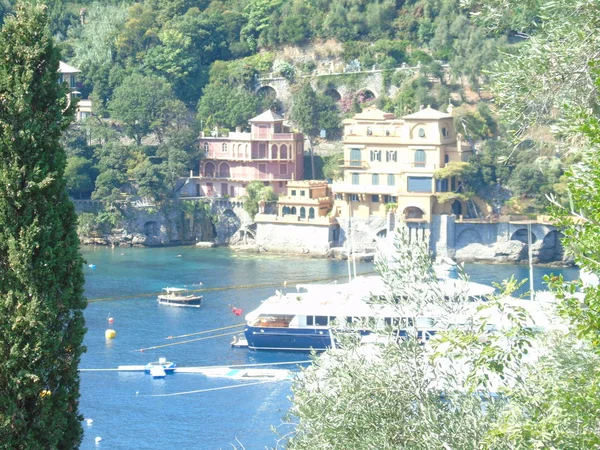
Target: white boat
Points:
(179, 297)
(158, 372)
(307, 319)
(161, 365)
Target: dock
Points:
(224, 372)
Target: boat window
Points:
(309, 320)
(392, 321)
(331, 319)
(273, 321)
(321, 321)
(349, 319)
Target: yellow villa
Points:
(389, 165)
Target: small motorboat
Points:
(179, 297)
(162, 364)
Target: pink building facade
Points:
(270, 153)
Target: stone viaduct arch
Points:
(371, 85)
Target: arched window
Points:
(274, 151)
(206, 147)
(293, 211)
(283, 153)
(391, 179)
(209, 170)
(224, 147)
(421, 132)
(375, 179)
(446, 158)
(224, 171)
(420, 158)
(286, 210)
(311, 213)
(302, 212)
(239, 150)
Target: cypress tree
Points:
(41, 272)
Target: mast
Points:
(531, 290)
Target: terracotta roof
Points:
(267, 116)
(65, 68)
(427, 114)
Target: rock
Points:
(205, 244)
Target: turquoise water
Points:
(132, 410)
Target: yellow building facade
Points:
(389, 165)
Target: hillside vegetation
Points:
(160, 71)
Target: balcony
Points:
(343, 188)
(356, 165)
(371, 139)
(243, 177)
(228, 156)
(277, 136)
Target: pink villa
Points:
(270, 153)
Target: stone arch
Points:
(367, 95)
(522, 235)
(551, 248)
(224, 170)
(468, 236)
(266, 91)
(209, 169)
(413, 212)
(151, 229)
(414, 131)
(333, 93)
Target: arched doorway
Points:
(224, 170)
(209, 169)
(456, 208)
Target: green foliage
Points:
(256, 191)
(257, 14)
(145, 104)
(332, 167)
(78, 176)
(41, 281)
(223, 105)
(475, 125)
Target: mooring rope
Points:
(186, 342)
(215, 389)
(206, 331)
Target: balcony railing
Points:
(355, 164)
(233, 177)
(276, 136)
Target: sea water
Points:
(131, 410)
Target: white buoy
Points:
(89, 422)
(98, 439)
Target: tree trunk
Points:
(312, 159)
